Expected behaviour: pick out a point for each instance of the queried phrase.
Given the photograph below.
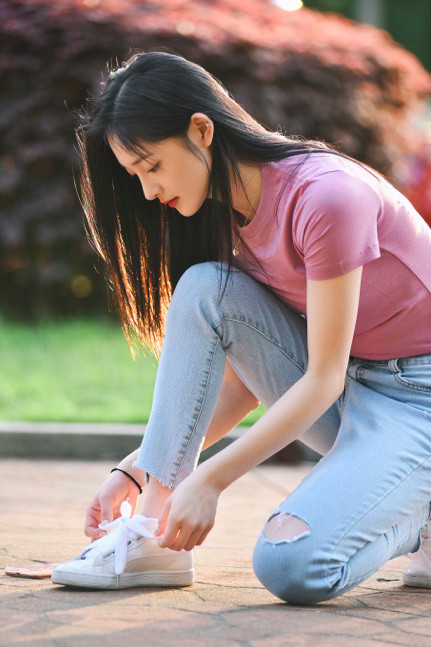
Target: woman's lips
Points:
(173, 203)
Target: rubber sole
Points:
(125, 580)
(421, 581)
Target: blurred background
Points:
(354, 73)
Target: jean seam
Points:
(193, 430)
(346, 391)
(396, 373)
(246, 323)
(371, 508)
(360, 375)
(409, 385)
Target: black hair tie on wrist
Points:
(130, 477)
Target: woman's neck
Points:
(246, 204)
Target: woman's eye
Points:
(154, 169)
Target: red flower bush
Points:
(319, 76)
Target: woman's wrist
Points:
(118, 469)
(127, 465)
(209, 475)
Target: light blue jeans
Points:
(366, 500)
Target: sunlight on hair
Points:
(288, 5)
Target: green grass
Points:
(75, 371)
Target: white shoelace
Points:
(121, 529)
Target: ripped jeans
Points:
(366, 500)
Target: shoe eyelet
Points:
(129, 543)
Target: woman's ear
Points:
(201, 129)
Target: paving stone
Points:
(325, 640)
(43, 507)
(418, 625)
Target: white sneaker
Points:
(419, 572)
(127, 556)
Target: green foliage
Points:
(338, 6)
(75, 371)
(72, 371)
(408, 22)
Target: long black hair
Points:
(146, 246)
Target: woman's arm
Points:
(332, 307)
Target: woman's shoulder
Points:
(304, 165)
(328, 177)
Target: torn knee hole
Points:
(285, 526)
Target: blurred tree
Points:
(319, 76)
(338, 6)
(408, 22)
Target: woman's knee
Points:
(198, 278)
(284, 526)
(208, 287)
(198, 284)
(287, 563)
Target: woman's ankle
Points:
(155, 498)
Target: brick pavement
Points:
(43, 505)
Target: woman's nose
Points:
(150, 191)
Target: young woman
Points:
(296, 277)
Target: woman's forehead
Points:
(167, 149)
(141, 148)
(144, 150)
(130, 154)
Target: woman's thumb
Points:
(105, 514)
(162, 520)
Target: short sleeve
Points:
(335, 224)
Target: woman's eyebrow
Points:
(144, 158)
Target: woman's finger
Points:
(92, 520)
(170, 535)
(161, 527)
(106, 508)
(193, 540)
(184, 538)
(203, 537)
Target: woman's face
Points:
(172, 170)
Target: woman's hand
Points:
(189, 512)
(106, 504)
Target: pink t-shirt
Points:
(330, 217)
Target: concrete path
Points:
(42, 513)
